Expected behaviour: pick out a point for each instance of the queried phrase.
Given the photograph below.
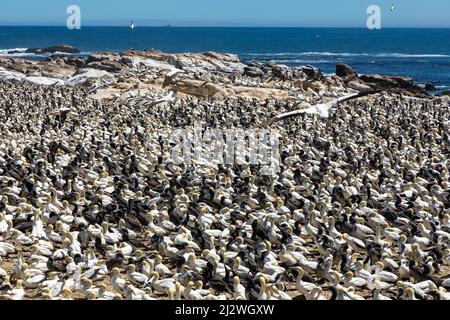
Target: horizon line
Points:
(224, 26)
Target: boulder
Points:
(102, 56)
(109, 65)
(281, 71)
(346, 72)
(82, 76)
(58, 48)
(307, 84)
(311, 72)
(430, 87)
(201, 89)
(389, 82)
(78, 62)
(226, 57)
(358, 86)
(253, 72)
(444, 93)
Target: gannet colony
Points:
(94, 205)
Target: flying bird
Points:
(321, 110)
(132, 25)
(392, 7)
(169, 98)
(171, 75)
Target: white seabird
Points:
(170, 97)
(321, 110)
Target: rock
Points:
(83, 76)
(280, 71)
(389, 82)
(345, 71)
(103, 56)
(201, 89)
(253, 72)
(110, 66)
(45, 81)
(311, 72)
(358, 86)
(226, 57)
(78, 62)
(307, 84)
(444, 93)
(126, 60)
(10, 75)
(58, 48)
(430, 87)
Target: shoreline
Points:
(65, 65)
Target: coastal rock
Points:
(281, 72)
(253, 72)
(83, 76)
(358, 86)
(11, 75)
(45, 81)
(77, 62)
(109, 65)
(430, 87)
(307, 84)
(444, 93)
(311, 72)
(53, 49)
(19, 65)
(387, 82)
(225, 57)
(345, 71)
(201, 89)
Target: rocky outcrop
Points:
(444, 93)
(357, 85)
(346, 72)
(109, 66)
(216, 91)
(85, 76)
(430, 87)
(53, 49)
(253, 72)
(389, 82)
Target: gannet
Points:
(321, 110)
(170, 97)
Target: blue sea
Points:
(423, 54)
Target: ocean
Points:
(423, 54)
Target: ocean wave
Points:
(349, 54)
(21, 52)
(277, 61)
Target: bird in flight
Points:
(168, 98)
(321, 110)
(132, 25)
(392, 7)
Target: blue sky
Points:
(270, 13)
